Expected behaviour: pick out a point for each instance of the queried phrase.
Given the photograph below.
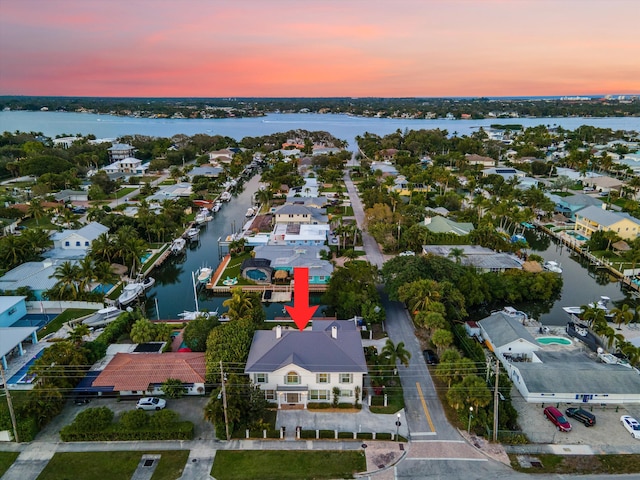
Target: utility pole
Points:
(495, 403)
(224, 401)
(10, 405)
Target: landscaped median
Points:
(96, 424)
(285, 465)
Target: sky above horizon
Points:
(319, 48)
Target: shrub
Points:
(162, 418)
(383, 436)
(364, 436)
(318, 405)
(308, 434)
(93, 419)
(134, 419)
(347, 405)
(327, 434)
(345, 434)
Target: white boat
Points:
(130, 293)
(204, 274)
(250, 212)
(201, 216)
(225, 196)
(552, 266)
(178, 246)
(147, 283)
(103, 316)
(193, 233)
(602, 304)
(186, 315)
(216, 207)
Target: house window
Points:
(86, 244)
(260, 378)
(11, 311)
(77, 243)
(292, 378)
(66, 244)
(322, 278)
(346, 393)
(346, 378)
(323, 378)
(319, 395)
(270, 394)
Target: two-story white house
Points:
(299, 214)
(80, 239)
(295, 367)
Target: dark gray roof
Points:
(255, 263)
(315, 351)
(503, 329)
(577, 373)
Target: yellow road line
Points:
(424, 407)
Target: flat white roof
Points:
(10, 337)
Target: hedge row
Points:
(116, 432)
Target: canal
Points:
(173, 289)
(582, 283)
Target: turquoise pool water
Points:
(577, 236)
(145, 257)
(554, 341)
(21, 376)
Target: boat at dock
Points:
(216, 207)
(147, 283)
(552, 266)
(225, 196)
(178, 246)
(201, 216)
(193, 234)
(204, 275)
(250, 212)
(602, 304)
(187, 315)
(130, 292)
(102, 317)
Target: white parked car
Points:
(631, 424)
(408, 253)
(151, 403)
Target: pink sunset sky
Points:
(314, 48)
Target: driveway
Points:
(189, 408)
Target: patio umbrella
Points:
(281, 275)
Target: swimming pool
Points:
(21, 376)
(554, 341)
(577, 236)
(35, 320)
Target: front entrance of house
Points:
(292, 398)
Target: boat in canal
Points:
(602, 304)
(178, 246)
(225, 196)
(204, 274)
(192, 315)
(130, 292)
(193, 234)
(552, 266)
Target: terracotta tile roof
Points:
(135, 371)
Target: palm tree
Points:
(395, 353)
(68, 276)
(102, 248)
(36, 210)
(239, 305)
(457, 254)
(86, 273)
(37, 240)
(622, 315)
(78, 333)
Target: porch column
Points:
(4, 362)
(20, 350)
(279, 396)
(34, 338)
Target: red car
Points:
(557, 418)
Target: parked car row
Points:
(587, 418)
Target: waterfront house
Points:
(286, 258)
(171, 192)
(65, 196)
(127, 165)
(299, 214)
(144, 373)
(440, 224)
(120, 151)
(507, 338)
(507, 173)
(223, 156)
(592, 219)
(75, 242)
(295, 367)
(12, 309)
(299, 234)
(571, 204)
(209, 171)
(38, 276)
(484, 259)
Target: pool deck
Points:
(18, 362)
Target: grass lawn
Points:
(122, 192)
(111, 465)
(233, 270)
(68, 314)
(284, 465)
(395, 399)
(582, 464)
(41, 223)
(6, 460)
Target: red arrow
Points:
(301, 312)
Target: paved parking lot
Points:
(607, 430)
(189, 408)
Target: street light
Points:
(470, 417)
(398, 428)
